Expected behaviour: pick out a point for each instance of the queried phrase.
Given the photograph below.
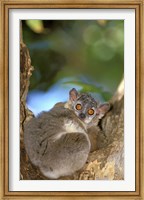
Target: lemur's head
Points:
(86, 107)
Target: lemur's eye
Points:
(91, 111)
(78, 106)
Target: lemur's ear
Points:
(102, 109)
(73, 94)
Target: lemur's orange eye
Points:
(91, 111)
(78, 106)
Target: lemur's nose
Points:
(82, 115)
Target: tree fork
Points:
(107, 162)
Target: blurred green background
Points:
(85, 54)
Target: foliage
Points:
(62, 49)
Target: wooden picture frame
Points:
(5, 5)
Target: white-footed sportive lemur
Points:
(57, 141)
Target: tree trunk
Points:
(106, 162)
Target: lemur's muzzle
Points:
(82, 115)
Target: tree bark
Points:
(106, 162)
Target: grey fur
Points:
(57, 141)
